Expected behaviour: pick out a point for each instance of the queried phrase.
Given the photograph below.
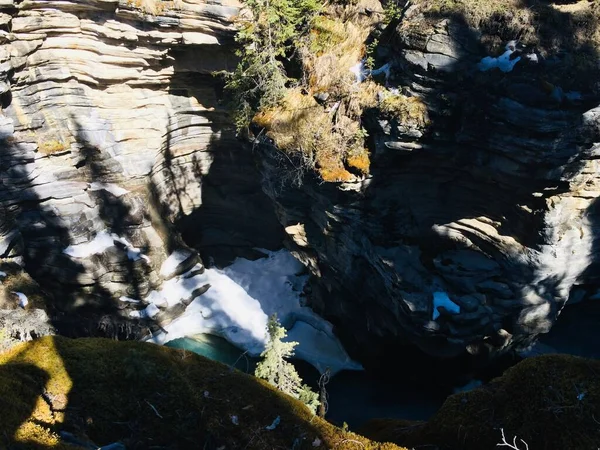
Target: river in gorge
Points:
(408, 386)
(354, 396)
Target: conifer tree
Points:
(278, 371)
(259, 80)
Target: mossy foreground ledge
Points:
(551, 402)
(147, 396)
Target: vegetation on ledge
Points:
(550, 402)
(315, 117)
(146, 396)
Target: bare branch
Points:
(514, 442)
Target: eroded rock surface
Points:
(113, 138)
(491, 199)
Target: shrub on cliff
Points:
(325, 43)
(259, 80)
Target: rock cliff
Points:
(488, 201)
(112, 133)
(113, 137)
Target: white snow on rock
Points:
(23, 301)
(532, 57)
(128, 299)
(471, 385)
(101, 242)
(3, 274)
(385, 69)
(114, 189)
(239, 302)
(316, 345)
(442, 299)
(150, 312)
(361, 72)
(502, 62)
(175, 259)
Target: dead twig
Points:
(514, 443)
(154, 409)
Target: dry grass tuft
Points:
(360, 161)
(328, 138)
(155, 7)
(333, 48)
(407, 110)
(52, 146)
(300, 126)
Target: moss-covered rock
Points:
(147, 396)
(550, 402)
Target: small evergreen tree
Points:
(259, 80)
(280, 373)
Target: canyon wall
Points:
(113, 133)
(488, 200)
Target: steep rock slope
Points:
(111, 129)
(488, 200)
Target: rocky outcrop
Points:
(491, 201)
(112, 139)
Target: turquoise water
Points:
(354, 397)
(217, 349)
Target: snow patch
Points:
(23, 301)
(502, 62)
(174, 260)
(150, 312)
(442, 299)
(316, 345)
(274, 424)
(101, 242)
(361, 72)
(239, 302)
(385, 69)
(473, 384)
(114, 189)
(573, 96)
(532, 57)
(3, 274)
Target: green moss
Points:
(115, 391)
(326, 34)
(551, 402)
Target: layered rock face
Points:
(490, 200)
(112, 134)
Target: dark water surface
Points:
(354, 397)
